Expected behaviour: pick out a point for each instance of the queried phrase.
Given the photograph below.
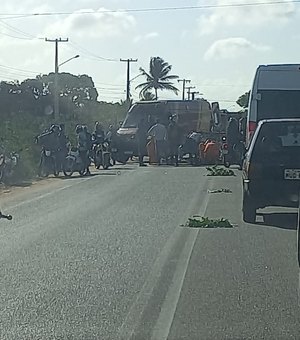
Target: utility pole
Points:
(56, 70)
(189, 88)
(184, 81)
(128, 61)
(193, 94)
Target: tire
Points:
(98, 160)
(122, 158)
(81, 173)
(43, 169)
(249, 209)
(106, 161)
(69, 167)
(226, 162)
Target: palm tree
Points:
(158, 77)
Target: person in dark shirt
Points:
(141, 136)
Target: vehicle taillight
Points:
(252, 127)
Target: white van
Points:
(275, 94)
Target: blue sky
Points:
(217, 48)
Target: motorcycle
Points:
(48, 163)
(8, 164)
(73, 163)
(102, 155)
(235, 155)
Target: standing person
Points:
(232, 133)
(141, 135)
(83, 146)
(63, 146)
(174, 138)
(99, 134)
(160, 135)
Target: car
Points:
(271, 168)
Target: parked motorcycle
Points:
(102, 155)
(74, 163)
(48, 163)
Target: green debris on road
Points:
(218, 191)
(205, 222)
(219, 171)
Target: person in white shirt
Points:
(159, 133)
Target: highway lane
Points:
(79, 251)
(106, 258)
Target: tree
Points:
(158, 77)
(243, 100)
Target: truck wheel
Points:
(121, 158)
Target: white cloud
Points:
(231, 48)
(148, 36)
(245, 15)
(96, 24)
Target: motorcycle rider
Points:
(49, 141)
(63, 146)
(141, 135)
(99, 133)
(84, 146)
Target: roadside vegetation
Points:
(26, 111)
(205, 222)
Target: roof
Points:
(280, 120)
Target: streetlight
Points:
(56, 94)
(75, 57)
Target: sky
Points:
(214, 44)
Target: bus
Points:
(275, 94)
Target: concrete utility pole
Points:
(56, 94)
(184, 81)
(193, 93)
(189, 88)
(128, 61)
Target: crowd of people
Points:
(163, 143)
(167, 143)
(55, 141)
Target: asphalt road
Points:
(105, 257)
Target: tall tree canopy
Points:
(243, 100)
(158, 78)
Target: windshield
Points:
(278, 104)
(278, 143)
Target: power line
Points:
(17, 30)
(86, 51)
(144, 10)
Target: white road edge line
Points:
(164, 322)
(128, 327)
